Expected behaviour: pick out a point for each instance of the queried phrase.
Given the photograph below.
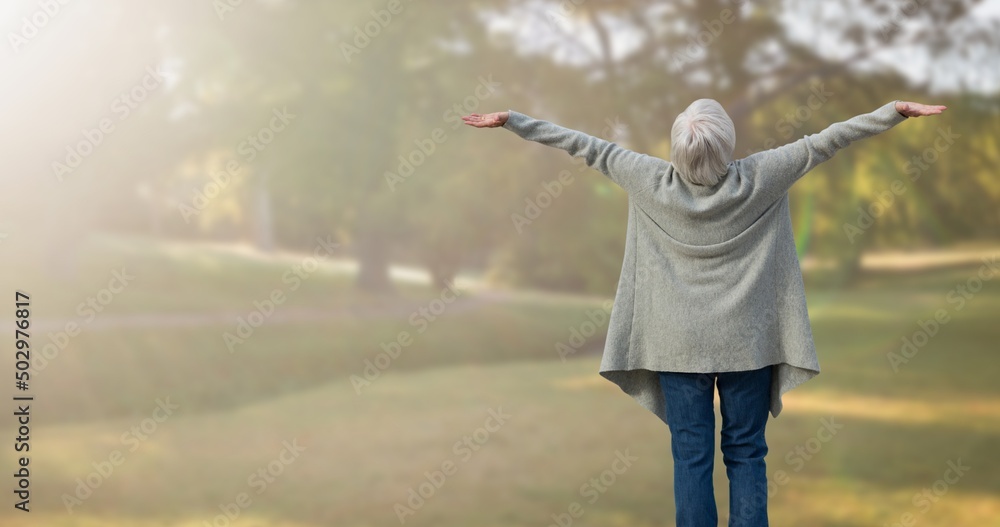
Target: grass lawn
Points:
(362, 454)
(116, 371)
(289, 383)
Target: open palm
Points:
(490, 120)
(915, 109)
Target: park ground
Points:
(481, 394)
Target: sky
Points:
(67, 30)
(551, 23)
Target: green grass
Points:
(364, 452)
(104, 373)
(112, 373)
(174, 278)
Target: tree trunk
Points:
(373, 260)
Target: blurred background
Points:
(275, 282)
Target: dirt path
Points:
(110, 321)
(482, 294)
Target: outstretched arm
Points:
(630, 170)
(777, 169)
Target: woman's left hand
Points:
(490, 120)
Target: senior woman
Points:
(710, 291)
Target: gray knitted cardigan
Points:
(710, 280)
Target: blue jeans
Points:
(744, 399)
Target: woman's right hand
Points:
(915, 109)
(490, 120)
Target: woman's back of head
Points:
(702, 141)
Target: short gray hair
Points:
(702, 142)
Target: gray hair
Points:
(702, 142)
